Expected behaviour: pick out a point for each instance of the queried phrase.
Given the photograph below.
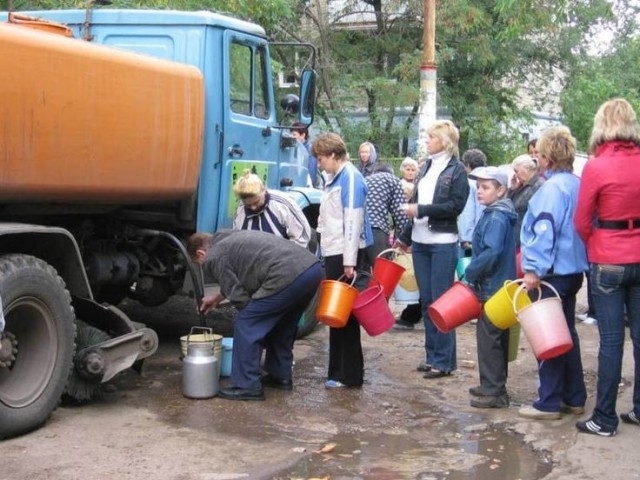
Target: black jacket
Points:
(452, 190)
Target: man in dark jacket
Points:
(270, 281)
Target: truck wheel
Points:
(38, 313)
(308, 320)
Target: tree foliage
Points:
(601, 77)
(486, 51)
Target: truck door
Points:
(248, 139)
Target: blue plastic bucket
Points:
(405, 297)
(227, 353)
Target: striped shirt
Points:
(280, 215)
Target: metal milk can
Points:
(200, 371)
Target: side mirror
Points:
(307, 96)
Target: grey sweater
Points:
(249, 264)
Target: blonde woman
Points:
(269, 211)
(609, 194)
(440, 194)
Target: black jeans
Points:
(346, 361)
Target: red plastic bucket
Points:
(335, 302)
(371, 309)
(454, 307)
(387, 273)
(545, 326)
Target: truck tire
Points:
(38, 313)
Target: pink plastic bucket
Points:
(545, 326)
(387, 273)
(454, 307)
(372, 310)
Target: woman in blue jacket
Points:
(440, 195)
(552, 251)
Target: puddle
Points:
(484, 455)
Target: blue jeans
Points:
(270, 322)
(562, 378)
(613, 287)
(435, 266)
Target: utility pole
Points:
(428, 73)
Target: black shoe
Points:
(235, 393)
(630, 417)
(592, 427)
(269, 380)
(403, 325)
(433, 373)
(423, 367)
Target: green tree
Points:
(486, 50)
(600, 77)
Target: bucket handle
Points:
(396, 252)
(522, 287)
(205, 329)
(353, 280)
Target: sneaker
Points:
(564, 408)
(630, 417)
(591, 426)
(402, 325)
(334, 384)
(581, 316)
(590, 321)
(535, 414)
(490, 401)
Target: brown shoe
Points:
(564, 408)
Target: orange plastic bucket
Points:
(387, 272)
(371, 309)
(454, 307)
(335, 302)
(545, 326)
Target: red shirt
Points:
(610, 190)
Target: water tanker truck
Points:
(121, 132)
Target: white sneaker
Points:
(590, 321)
(535, 414)
(581, 316)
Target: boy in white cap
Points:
(493, 262)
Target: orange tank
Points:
(86, 123)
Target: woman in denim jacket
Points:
(440, 195)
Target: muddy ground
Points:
(398, 426)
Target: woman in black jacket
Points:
(439, 196)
